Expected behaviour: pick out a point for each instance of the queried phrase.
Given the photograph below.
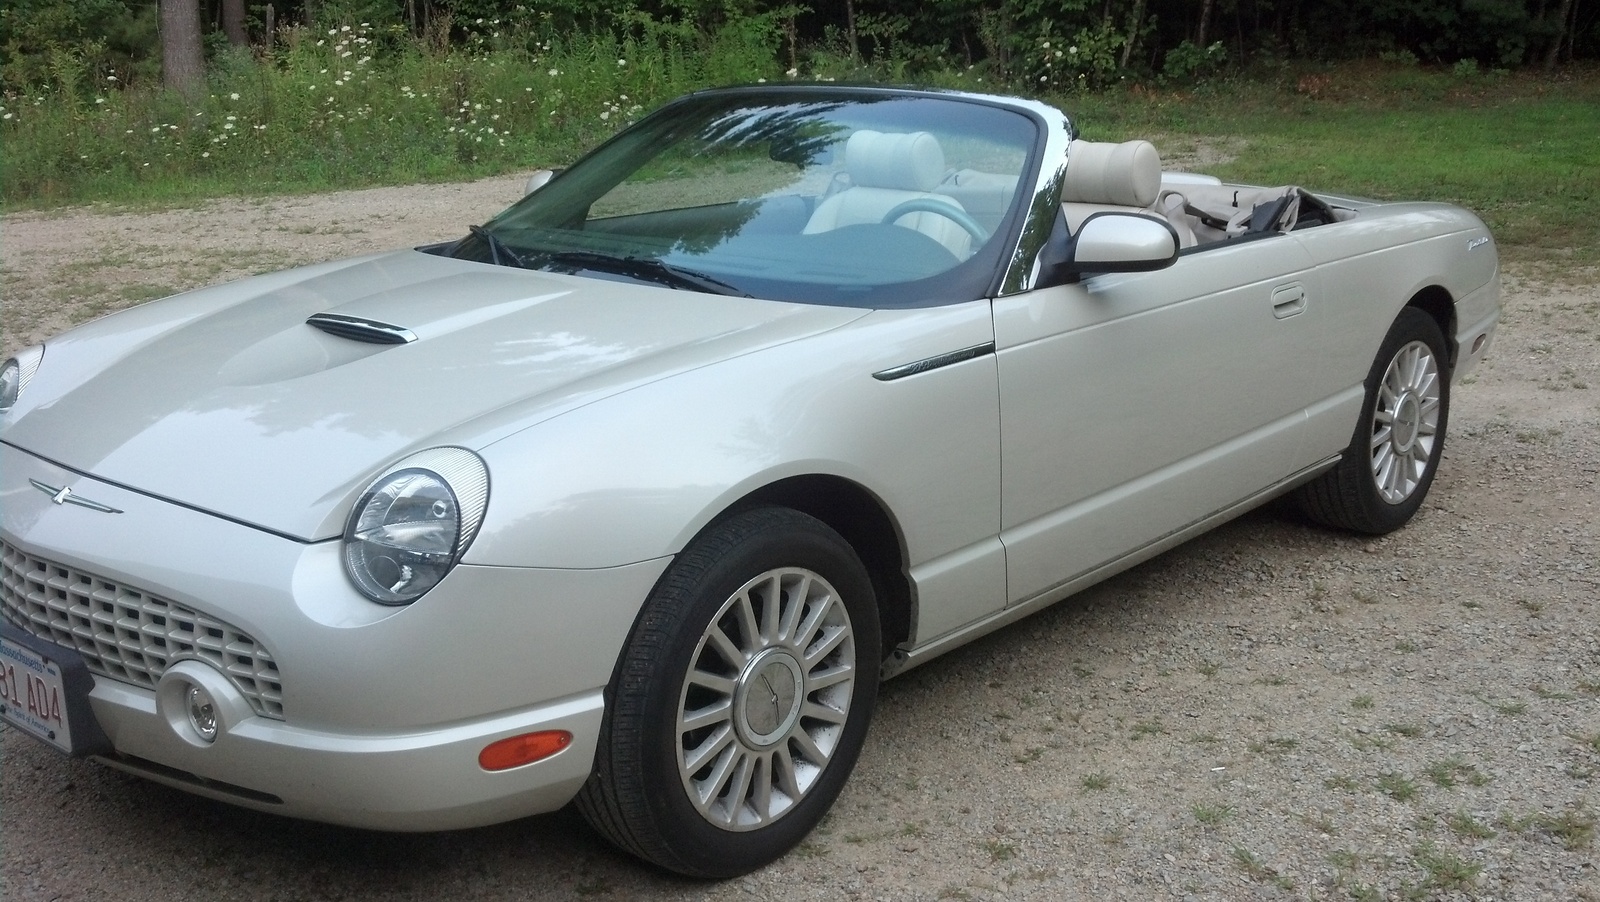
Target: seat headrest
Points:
(907, 162)
(1126, 174)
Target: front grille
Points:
(129, 635)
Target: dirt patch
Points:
(64, 268)
(1271, 711)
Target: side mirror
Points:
(539, 179)
(1111, 242)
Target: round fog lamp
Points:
(202, 713)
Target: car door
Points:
(1134, 405)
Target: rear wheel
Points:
(1385, 473)
(742, 698)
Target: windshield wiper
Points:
(500, 253)
(647, 269)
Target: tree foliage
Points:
(1062, 43)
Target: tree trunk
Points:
(850, 28)
(1564, 23)
(1205, 22)
(1133, 32)
(183, 64)
(233, 22)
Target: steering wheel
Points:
(938, 207)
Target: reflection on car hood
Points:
(226, 400)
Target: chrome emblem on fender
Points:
(63, 495)
(1477, 242)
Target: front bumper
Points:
(383, 710)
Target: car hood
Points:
(226, 400)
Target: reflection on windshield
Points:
(819, 195)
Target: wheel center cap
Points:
(768, 700)
(1407, 422)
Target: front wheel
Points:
(741, 700)
(1385, 473)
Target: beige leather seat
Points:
(1127, 177)
(887, 169)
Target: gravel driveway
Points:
(1271, 711)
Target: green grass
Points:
(350, 108)
(1445, 871)
(1397, 787)
(1211, 815)
(1518, 149)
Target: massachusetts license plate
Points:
(33, 696)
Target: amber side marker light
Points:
(516, 751)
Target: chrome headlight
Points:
(18, 370)
(414, 522)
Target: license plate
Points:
(33, 696)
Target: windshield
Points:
(849, 197)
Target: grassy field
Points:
(1521, 150)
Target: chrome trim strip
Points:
(934, 362)
(63, 495)
(1043, 203)
(358, 328)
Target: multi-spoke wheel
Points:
(1405, 422)
(766, 698)
(1392, 458)
(741, 700)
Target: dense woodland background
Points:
(1067, 43)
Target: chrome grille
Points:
(128, 635)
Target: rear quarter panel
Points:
(1368, 268)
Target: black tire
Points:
(1386, 471)
(783, 705)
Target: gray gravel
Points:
(1271, 711)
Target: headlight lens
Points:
(414, 522)
(16, 373)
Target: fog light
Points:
(202, 713)
(516, 751)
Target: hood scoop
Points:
(358, 328)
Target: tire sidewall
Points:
(1411, 325)
(695, 593)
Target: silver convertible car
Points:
(630, 497)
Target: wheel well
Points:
(861, 519)
(1437, 303)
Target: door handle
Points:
(1287, 300)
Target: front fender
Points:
(635, 476)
